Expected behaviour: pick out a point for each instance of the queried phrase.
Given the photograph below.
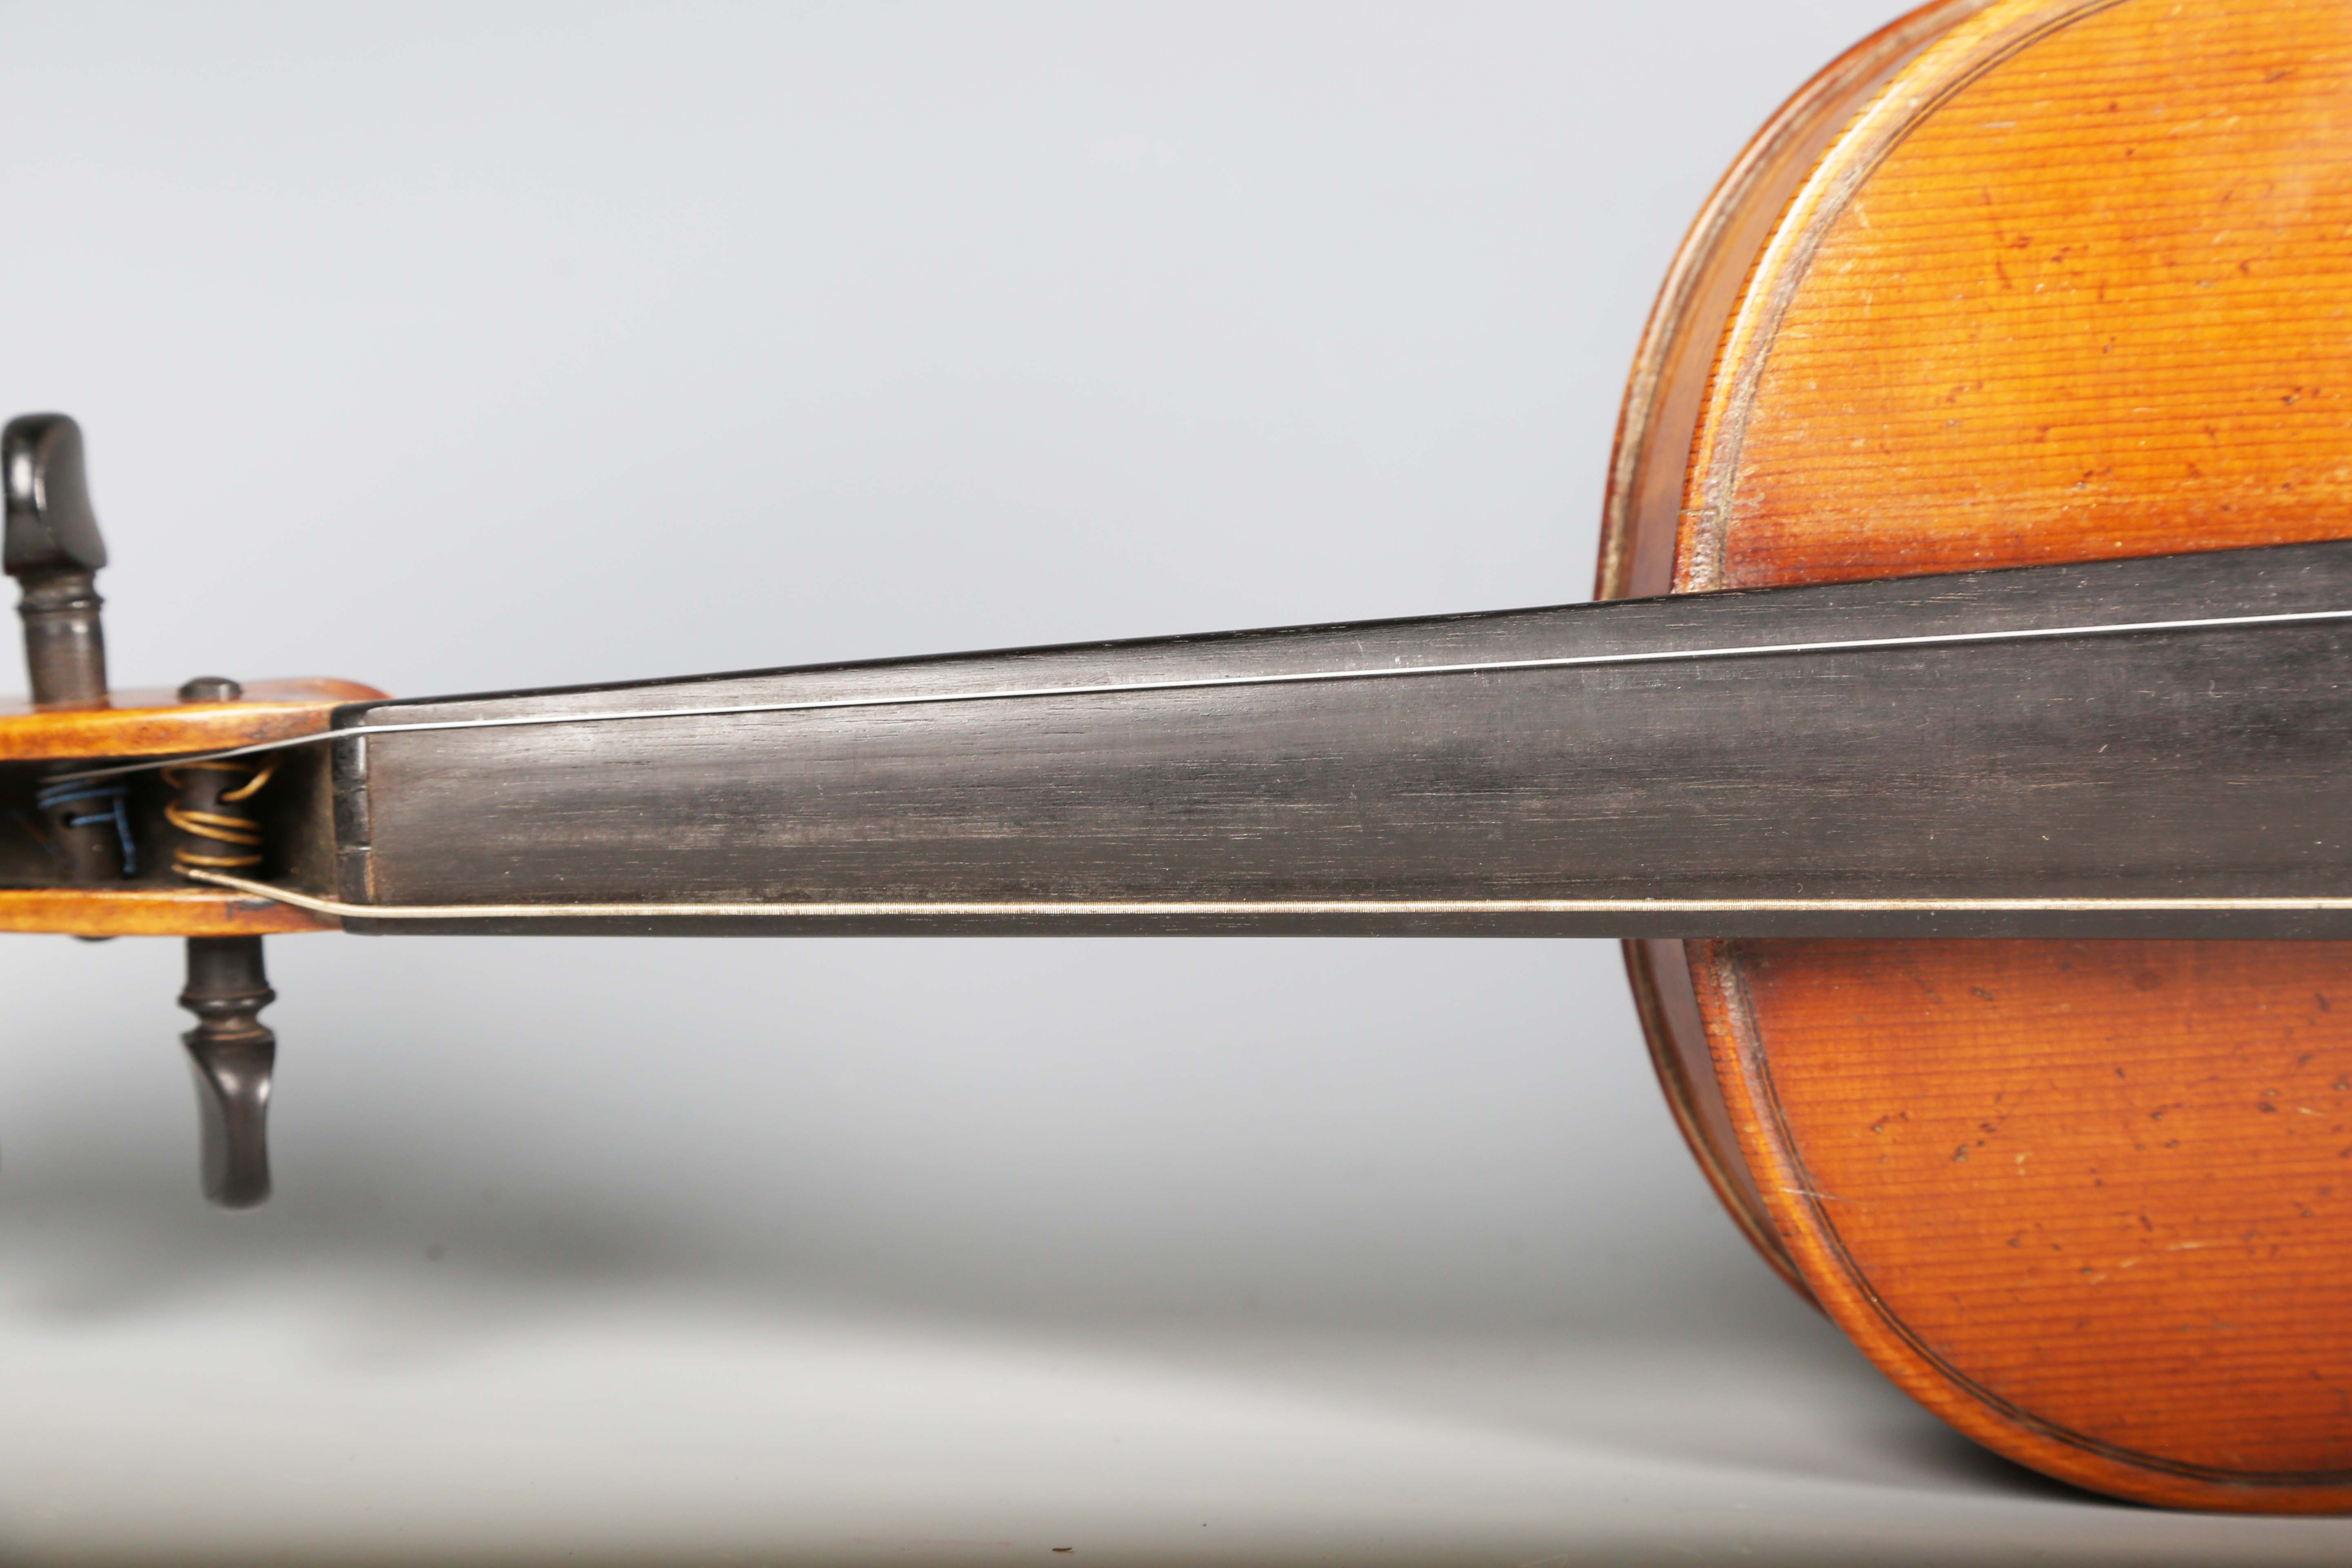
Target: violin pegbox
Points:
(105, 824)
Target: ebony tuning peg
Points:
(232, 1053)
(230, 1049)
(52, 547)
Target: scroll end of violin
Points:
(232, 1055)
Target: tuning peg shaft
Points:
(232, 1053)
(53, 549)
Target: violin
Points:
(1958, 741)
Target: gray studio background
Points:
(460, 348)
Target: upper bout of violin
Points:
(2014, 283)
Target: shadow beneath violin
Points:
(1272, 1199)
(1934, 1446)
(1449, 1137)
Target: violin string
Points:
(218, 839)
(1080, 909)
(1214, 682)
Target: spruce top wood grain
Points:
(2070, 281)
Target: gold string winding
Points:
(240, 832)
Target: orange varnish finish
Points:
(151, 724)
(2137, 1230)
(150, 912)
(142, 724)
(2072, 280)
(2097, 304)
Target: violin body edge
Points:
(2013, 305)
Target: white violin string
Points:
(1211, 682)
(1298, 907)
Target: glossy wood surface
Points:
(150, 912)
(2136, 1232)
(152, 723)
(2072, 282)
(1668, 387)
(2094, 304)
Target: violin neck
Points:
(2146, 783)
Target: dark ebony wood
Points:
(2203, 763)
(53, 548)
(216, 825)
(232, 1053)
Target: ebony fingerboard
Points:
(2185, 763)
